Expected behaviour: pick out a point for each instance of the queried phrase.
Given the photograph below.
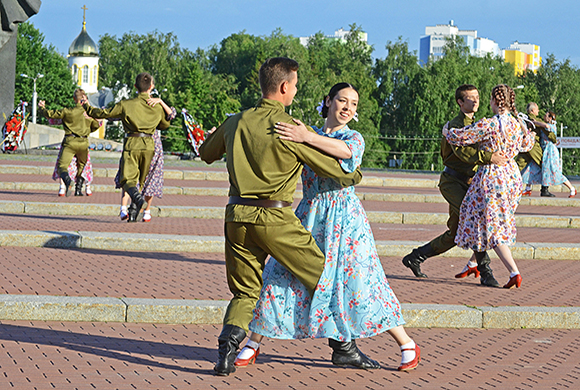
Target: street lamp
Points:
(34, 95)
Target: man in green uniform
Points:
(139, 121)
(461, 163)
(77, 127)
(259, 220)
(536, 153)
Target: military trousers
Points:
(453, 190)
(73, 146)
(136, 161)
(248, 245)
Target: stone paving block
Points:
(193, 175)
(151, 242)
(11, 207)
(35, 238)
(385, 217)
(7, 185)
(174, 311)
(172, 174)
(558, 202)
(57, 208)
(544, 221)
(216, 176)
(45, 171)
(514, 317)
(441, 316)
(19, 169)
(556, 251)
(425, 219)
(369, 181)
(416, 183)
(191, 212)
(53, 308)
(37, 186)
(111, 172)
(173, 190)
(102, 172)
(205, 191)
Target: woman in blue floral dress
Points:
(353, 298)
(550, 173)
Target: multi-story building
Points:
(83, 61)
(524, 56)
(435, 38)
(340, 34)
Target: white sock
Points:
(512, 274)
(124, 208)
(246, 352)
(528, 187)
(408, 356)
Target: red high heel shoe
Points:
(469, 271)
(413, 363)
(251, 360)
(514, 281)
(527, 193)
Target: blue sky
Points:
(204, 23)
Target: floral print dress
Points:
(487, 214)
(550, 173)
(353, 298)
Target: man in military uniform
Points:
(77, 127)
(536, 153)
(140, 121)
(259, 220)
(461, 163)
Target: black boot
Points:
(229, 341)
(544, 192)
(485, 272)
(348, 354)
(132, 213)
(414, 259)
(137, 202)
(67, 182)
(79, 186)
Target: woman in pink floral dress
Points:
(487, 219)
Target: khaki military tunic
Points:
(140, 119)
(77, 128)
(261, 166)
(463, 160)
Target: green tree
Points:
(34, 57)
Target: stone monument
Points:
(12, 12)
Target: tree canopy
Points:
(402, 107)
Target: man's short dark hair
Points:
(143, 82)
(460, 92)
(274, 71)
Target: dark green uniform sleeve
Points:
(214, 146)
(472, 155)
(324, 165)
(53, 114)
(102, 113)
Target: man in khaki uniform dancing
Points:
(461, 163)
(77, 127)
(259, 220)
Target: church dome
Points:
(83, 45)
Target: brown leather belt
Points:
(460, 176)
(139, 135)
(258, 202)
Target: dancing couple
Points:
(324, 278)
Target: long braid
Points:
(505, 98)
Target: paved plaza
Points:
(56, 252)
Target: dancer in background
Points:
(87, 175)
(550, 173)
(77, 127)
(487, 215)
(154, 181)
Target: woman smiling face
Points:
(342, 108)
